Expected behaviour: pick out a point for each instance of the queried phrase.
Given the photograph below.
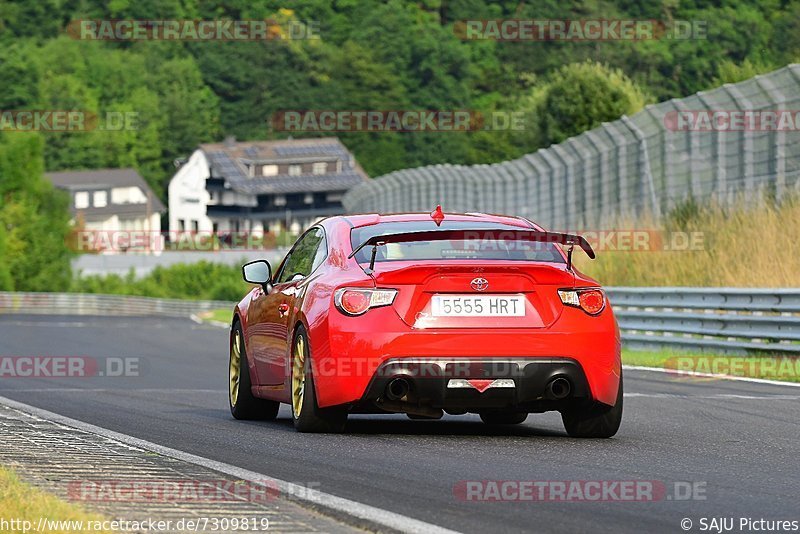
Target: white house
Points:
(261, 186)
(110, 200)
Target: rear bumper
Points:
(473, 385)
(352, 355)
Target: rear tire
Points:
(503, 418)
(242, 403)
(306, 415)
(594, 422)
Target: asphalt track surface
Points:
(737, 441)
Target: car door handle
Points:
(283, 309)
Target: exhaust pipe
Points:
(559, 388)
(397, 389)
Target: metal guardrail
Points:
(726, 319)
(721, 319)
(115, 305)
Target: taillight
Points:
(356, 301)
(590, 300)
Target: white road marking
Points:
(112, 390)
(84, 324)
(222, 392)
(719, 396)
(338, 506)
(710, 375)
(57, 324)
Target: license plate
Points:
(478, 306)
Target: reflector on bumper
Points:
(480, 385)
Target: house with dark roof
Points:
(261, 186)
(110, 200)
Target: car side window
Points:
(279, 270)
(306, 255)
(322, 252)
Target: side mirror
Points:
(258, 272)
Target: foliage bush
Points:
(582, 96)
(196, 281)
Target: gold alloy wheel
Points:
(298, 375)
(233, 369)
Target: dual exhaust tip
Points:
(397, 389)
(557, 389)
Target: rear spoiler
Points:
(478, 233)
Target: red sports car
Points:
(424, 314)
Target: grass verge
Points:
(706, 246)
(783, 368)
(22, 502)
(220, 316)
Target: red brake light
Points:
(592, 301)
(437, 215)
(355, 302)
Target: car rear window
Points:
(480, 249)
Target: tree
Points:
(581, 96)
(6, 283)
(386, 55)
(34, 218)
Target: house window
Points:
(338, 165)
(181, 225)
(319, 168)
(295, 170)
(195, 226)
(251, 171)
(100, 199)
(334, 197)
(128, 195)
(269, 170)
(309, 198)
(280, 200)
(81, 200)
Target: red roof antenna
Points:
(437, 215)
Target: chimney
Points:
(230, 141)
